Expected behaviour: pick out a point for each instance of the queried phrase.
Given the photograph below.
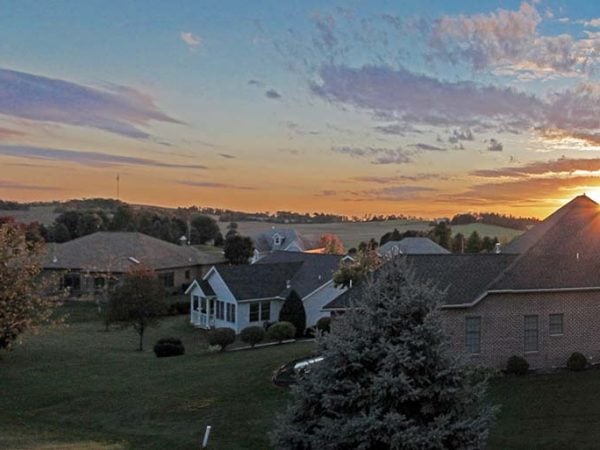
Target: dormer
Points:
(277, 240)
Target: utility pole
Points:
(118, 180)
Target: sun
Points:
(593, 193)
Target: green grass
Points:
(86, 388)
(79, 387)
(355, 232)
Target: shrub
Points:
(309, 332)
(293, 311)
(280, 331)
(324, 324)
(252, 335)
(517, 365)
(177, 308)
(577, 362)
(168, 347)
(221, 337)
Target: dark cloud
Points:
(117, 109)
(397, 178)
(256, 83)
(495, 146)
(376, 155)
(94, 159)
(226, 156)
(272, 94)
(326, 193)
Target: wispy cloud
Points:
(15, 186)
(190, 39)
(8, 133)
(226, 156)
(376, 155)
(215, 185)
(117, 109)
(557, 166)
(392, 193)
(94, 159)
(428, 147)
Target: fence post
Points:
(206, 436)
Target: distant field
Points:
(41, 214)
(354, 232)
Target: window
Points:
(254, 311)
(99, 282)
(556, 324)
(473, 334)
(167, 278)
(220, 310)
(195, 303)
(531, 333)
(260, 311)
(231, 312)
(265, 310)
(187, 274)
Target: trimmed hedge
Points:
(170, 346)
(253, 335)
(577, 362)
(221, 337)
(281, 331)
(517, 365)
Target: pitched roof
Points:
(119, 251)
(264, 241)
(278, 273)
(412, 246)
(258, 280)
(463, 277)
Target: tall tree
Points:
(204, 229)
(351, 272)
(138, 301)
(232, 229)
(293, 311)
(441, 234)
(26, 300)
(332, 244)
(474, 242)
(387, 380)
(458, 243)
(238, 249)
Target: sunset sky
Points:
(415, 107)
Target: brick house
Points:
(87, 263)
(539, 298)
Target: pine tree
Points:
(293, 311)
(387, 380)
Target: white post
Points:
(206, 436)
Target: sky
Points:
(423, 108)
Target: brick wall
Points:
(502, 327)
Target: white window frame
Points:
(562, 324)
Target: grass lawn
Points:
(79, 387)
(85, 388)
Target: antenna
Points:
(118, 180)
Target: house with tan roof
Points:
(89, 262)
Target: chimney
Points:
(288, 284)
(498, 248)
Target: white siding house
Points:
(240, 296)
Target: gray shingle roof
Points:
(264, 242)
(412, 246)
(269, 277)
(463, 277)
(119, 251)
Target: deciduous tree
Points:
(332, 244)
(238, 249)
(138, 301)
(26, 299)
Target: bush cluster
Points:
(517, 365)
(577, 362)
(170, 346)
(324, 324)
(281, 331)
(221, 337)
(179, 308)
(252, 335)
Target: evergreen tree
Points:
(293, 311)
(441, 234)
(458, 243)
(473, 244)
(387, 380)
